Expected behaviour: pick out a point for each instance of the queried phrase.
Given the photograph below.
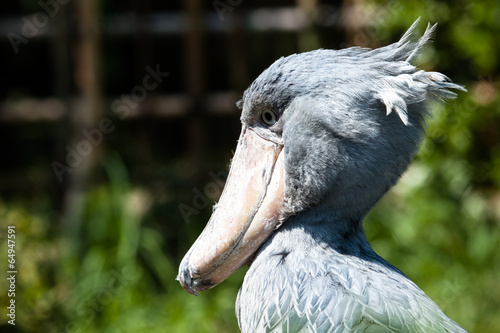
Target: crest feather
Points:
(406, 49)
(403, 84)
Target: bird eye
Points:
(269, 117)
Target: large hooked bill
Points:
(246, 215)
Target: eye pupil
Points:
(269, 117)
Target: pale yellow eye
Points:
(269, 117)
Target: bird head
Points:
(327, 128)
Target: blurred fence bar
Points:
(145, 24)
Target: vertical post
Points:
(236, 52)
(144, 56)
(355, 21)
(194, 84)
(60, 52)
(308, 38)
(86, 114)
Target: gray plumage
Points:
(350, 122)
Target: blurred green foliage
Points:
(114, 277)
(439, 225)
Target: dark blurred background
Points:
(118, 121)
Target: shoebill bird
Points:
(324, 135)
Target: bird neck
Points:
(326, 232)
(343, 235)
